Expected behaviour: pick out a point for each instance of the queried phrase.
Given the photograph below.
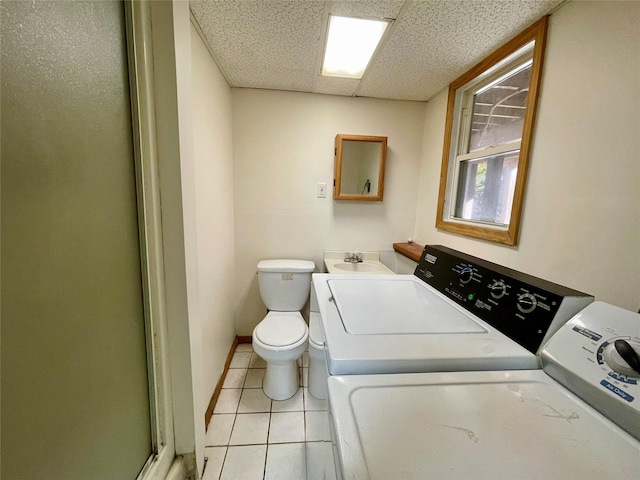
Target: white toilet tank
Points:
(284, 284)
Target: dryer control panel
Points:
(597, 356)
(525, 308)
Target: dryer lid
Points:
(280, 329)
(478, 414)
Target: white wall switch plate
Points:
(322, 190)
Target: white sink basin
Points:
(371, 264)
(361, 267)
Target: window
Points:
(488, 132)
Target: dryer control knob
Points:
(623, 356)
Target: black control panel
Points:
(520, 306)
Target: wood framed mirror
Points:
(359, 167)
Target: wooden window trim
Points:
(536, 32)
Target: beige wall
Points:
(283, 146)
(213, 169)
(581, 220)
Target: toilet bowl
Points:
(318, 372)
(281, 337)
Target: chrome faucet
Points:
(353, 257)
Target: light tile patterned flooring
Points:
(251, 436)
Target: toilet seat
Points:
(280, 329)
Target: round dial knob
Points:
(623, 357)
(465, 275)
(498, 290)
(526, 303)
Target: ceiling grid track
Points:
(203, 37)
(323, 42)
(381, 45)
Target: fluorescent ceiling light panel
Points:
(350, 45)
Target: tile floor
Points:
(251, 436)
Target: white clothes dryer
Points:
(577, 418)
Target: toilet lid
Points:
(280, 329)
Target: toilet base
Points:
(281, 380)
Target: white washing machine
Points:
(456, 313)
(577, 418)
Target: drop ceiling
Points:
(278, 44)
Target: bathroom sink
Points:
(371, 264)
(361, 267)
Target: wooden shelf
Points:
(412, 251)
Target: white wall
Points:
(283, 145)
(581, 218)
(213, 169)
(193, 115)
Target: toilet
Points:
(281, 337)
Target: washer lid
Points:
(405, 344)
(391, 306)
(280, 329)
(283, 265)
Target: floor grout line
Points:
(224, 459)
(266, 453)
(270, 412)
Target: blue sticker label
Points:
(587, 333)
(617, 391)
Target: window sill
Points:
(506, 237)
(412, 251)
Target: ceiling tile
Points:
(336, 85)
(367, 8)
(436, 41)
(277, 44)
(263, 44)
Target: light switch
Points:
(322, 190)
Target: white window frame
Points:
(464, 106)
(526, 48)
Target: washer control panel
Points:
(525, 308)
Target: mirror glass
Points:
(359, 167)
